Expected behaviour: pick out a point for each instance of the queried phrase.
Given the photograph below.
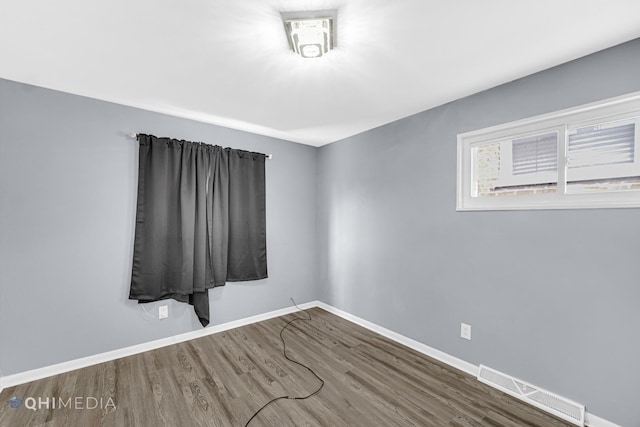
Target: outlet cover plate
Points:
(465, 331)
(163, 312)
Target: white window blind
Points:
(534, 154)
(601, 145)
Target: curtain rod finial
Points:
(133, 135)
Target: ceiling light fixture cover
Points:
(311, 34)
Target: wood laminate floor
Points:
(222, 379)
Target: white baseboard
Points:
(59, 368)
(595, 421)
(590, 419)
(47, 371)
(467, 367)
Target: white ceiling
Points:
(228, 63)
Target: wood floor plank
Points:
(223, 379)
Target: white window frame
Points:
(613, 109)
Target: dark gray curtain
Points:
(200, 221)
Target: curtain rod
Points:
(134, 135)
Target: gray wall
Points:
(552, 296)
(68, 177)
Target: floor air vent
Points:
(535, 396)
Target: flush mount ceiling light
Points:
(311, 34)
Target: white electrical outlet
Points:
(465, 331)
(163, 312)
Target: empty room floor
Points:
(224, 378)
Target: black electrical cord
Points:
(284, 352)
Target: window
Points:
(584, 157)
